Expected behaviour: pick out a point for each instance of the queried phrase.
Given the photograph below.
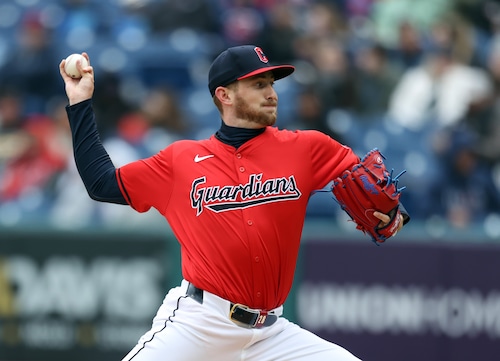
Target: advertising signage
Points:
(70, 297)
(403, 301)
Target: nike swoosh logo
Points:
(197, 158)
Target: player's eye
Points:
(263, 84)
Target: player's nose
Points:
(271, 94)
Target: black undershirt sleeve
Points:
(94, 165)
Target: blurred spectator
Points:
(161, 108)
(11, 110)
(241, 23)
(403, 24)
(410, 48)
(356, 8)
(489, 129)
(56, 111)
(466, 192)
(376, 78)
(108, 102)
(440, 90)
(334, 84)
(321, 21)
(311, 114)
(12, 138)
(158, 122)
(32, 66)
(36, 162)
(484, 19)
(452, 32)
(280, 33)
(482, 15)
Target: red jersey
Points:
(238, 214)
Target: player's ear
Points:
(224, 95)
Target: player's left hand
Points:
(82, 88)
(366, 187)
(385, 219)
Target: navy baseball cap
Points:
(242, 62)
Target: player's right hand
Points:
(80, 89)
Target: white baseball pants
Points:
(185, 330)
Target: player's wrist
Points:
(78, 100)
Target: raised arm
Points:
(93, 162)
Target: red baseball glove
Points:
(366, 188)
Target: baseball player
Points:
(236, 203)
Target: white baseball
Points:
(70, 65)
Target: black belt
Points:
(240, 314)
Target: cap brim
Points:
(279, 71)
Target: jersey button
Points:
(238, 155)
(242, 169)
(257, 259)
(250, 222)
(259, 294)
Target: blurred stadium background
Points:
(418, 79)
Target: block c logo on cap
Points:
(261, 55)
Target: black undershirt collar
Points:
(236, 137)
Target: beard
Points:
(244, 111)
